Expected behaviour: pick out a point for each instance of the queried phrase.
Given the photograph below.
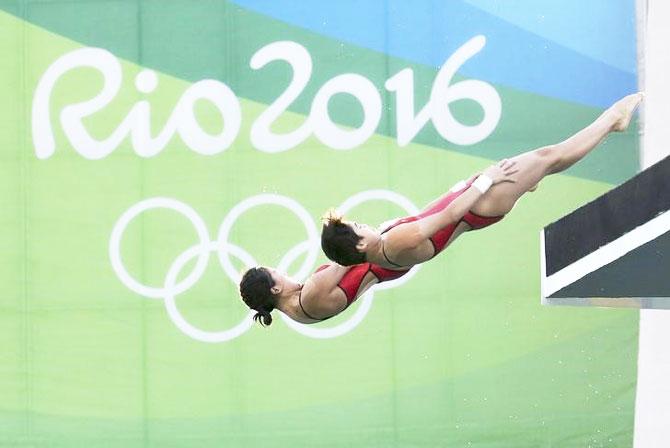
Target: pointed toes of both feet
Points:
(636, 99)
(633, 100)
(626, 109)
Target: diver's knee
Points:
(549, 157)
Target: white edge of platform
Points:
(600, 257)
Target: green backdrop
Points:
(462, 354)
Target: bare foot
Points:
(624, 109)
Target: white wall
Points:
(652, 409)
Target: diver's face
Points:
(368, 234)
(275, 274)
(278, 277)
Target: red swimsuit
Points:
(351, 281)
(442, 236)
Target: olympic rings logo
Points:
(224, 249)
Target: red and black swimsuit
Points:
(351, 281)
(442, 236)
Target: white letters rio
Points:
(182, 121)
(201, 252)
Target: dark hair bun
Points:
(263, 317)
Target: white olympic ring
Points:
(201, 251)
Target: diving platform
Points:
(615, 250)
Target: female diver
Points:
(366, 256)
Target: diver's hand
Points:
(502, 171)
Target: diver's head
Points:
(259, 290)
(346, 242)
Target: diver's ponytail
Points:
(263, 317)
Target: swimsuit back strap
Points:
(303, 308)
(388, 259)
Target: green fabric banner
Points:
(151, 150)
